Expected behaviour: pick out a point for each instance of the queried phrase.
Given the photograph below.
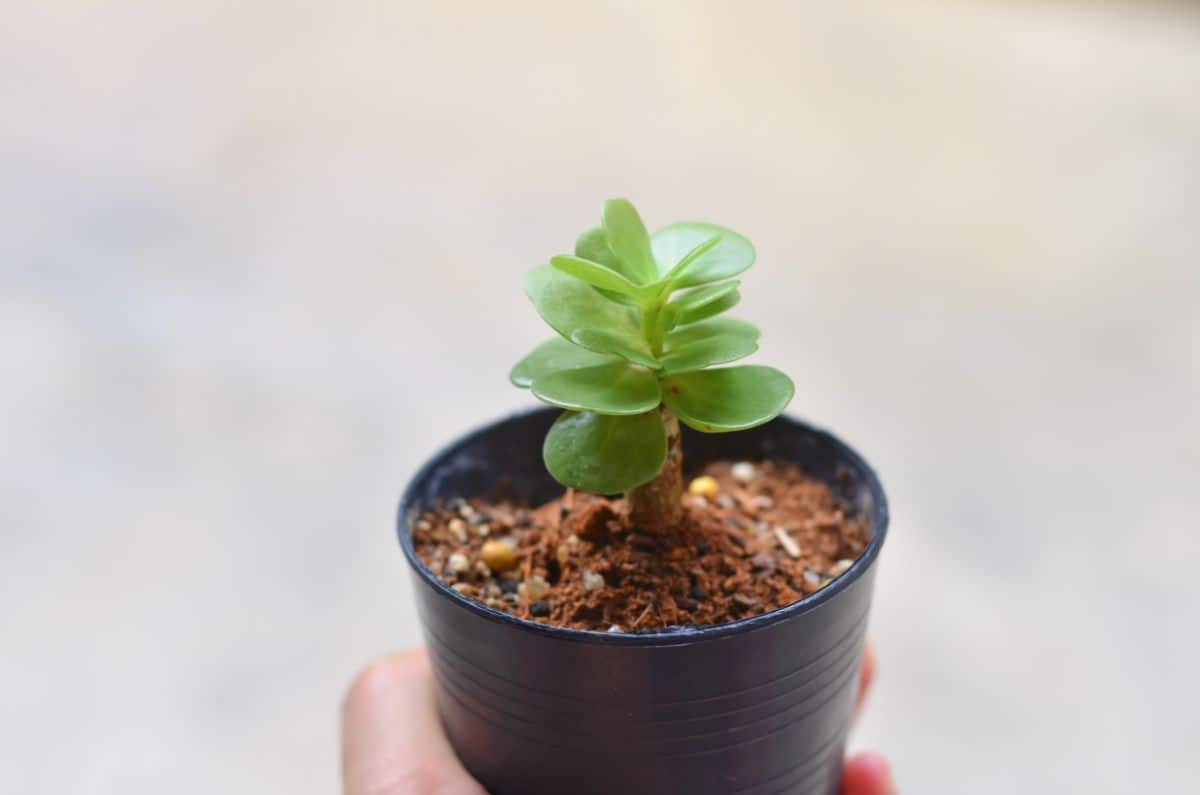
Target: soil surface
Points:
(755, 537)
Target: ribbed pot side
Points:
(755, 707)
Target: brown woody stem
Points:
(657, 506)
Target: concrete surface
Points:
(260, 259)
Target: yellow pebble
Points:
(703, 486)
(498, 555)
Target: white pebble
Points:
(811, 577)
(534, 588)
(743, 472)
(725, 501)
(458, 529)
(483, 530)
(840, 567)
(615, 628)
(458, 563)
(788, 544)
(592, 581)
(763, 502)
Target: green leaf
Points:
(691, 257)
(554, 355)
(713, 327)
(585, 317)
(593, 245)
(710, 342)
(703, 302)
(594, 274)
(605, 454)
(620, 298)
(728, 399)
(628, 240)
(706, 352)
(732, 255)
(612, 388)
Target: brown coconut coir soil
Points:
(755, 537)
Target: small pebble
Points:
(726, 502)
(811, 577)
(539, 609)
(761, 528)
(763, 502)
(511, 598)
(482, 530)
(743, 472)
(499, 555)
(463, 588)
(592, 581)
(762, 562)
(787, 543)
(699, 503)
(615, 628)
(458, 563)
(534, 588)
(458, 529)
(745, 601)
(509, 587)
(704, 486)
(686, 603)
(840, 567)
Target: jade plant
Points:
(641, 328)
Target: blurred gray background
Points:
(261, 259)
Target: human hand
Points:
(392, 740)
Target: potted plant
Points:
(644, 631)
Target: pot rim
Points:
(672, 637)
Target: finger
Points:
(866, 677)
(868, 774)
(392, 740)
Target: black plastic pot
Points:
(754, 707)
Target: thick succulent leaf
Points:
(688, 258)
(727, 399)
(585, 317)
(718, 349)
(594, 274)
(703, 302)
(554, 355)
(713, 327)
(628, 240)
(715, 341)
(593, 245)
(722, 304)
(620, 298)
(613, 388)
(732, 255)
(605, 454)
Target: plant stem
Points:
(657, 506)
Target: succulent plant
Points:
(641, 330)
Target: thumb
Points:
(868, 774)
(392, 739)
